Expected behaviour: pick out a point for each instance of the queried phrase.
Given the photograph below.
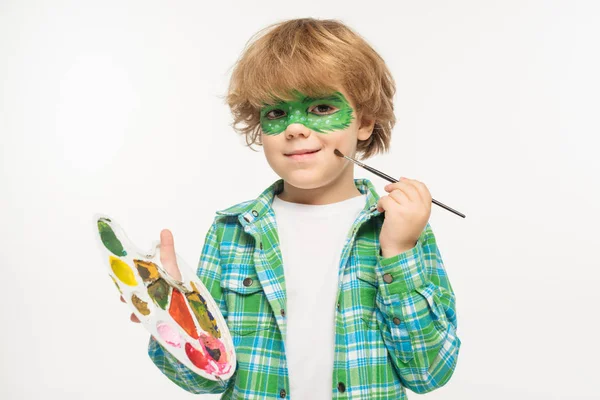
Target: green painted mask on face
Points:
(322, 114)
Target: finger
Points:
(405, 186)
(399, 196)
(133, 318)
(409, 187)
(387, 204)
(167, 254)
(424, 199)
(423, 190)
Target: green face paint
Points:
(323, 114)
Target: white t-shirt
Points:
(311, 241)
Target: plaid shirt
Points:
(395, 324)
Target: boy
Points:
(329, 291)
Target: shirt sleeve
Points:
(209, 272)
(418, 315)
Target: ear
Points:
(365, 129)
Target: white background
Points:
(117, 107)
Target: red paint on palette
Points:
(196, 356)
(214, 348)
(181, 314)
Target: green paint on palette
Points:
(200, 308)
(108, 237)
(304, 110)
(159, 293)
(205, 319)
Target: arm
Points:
(209, 272)
(419, 315)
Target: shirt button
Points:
(388, 278)
(341, 387)
(261, 245)
(255, 213)
(282, 393)
(338, 306)
(282, 312)
(396, 320)
(247, 282)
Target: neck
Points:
(340, 189)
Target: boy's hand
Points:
(407, 209)
(167, 255)
(167, 259)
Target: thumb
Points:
(167, 254)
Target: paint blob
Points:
(195, 288)
(159, 293)
(168, 334)
(200, 309)
(109, 239)
(140, 305)
(122, 271)
(196, 357)
(180, 313)
(147, 270)
(215, 348)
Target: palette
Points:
(181, 315)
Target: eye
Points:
(323, 109)
(274, 114)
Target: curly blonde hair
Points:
(312, 56)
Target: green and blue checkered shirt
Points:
(395, 322)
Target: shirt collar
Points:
(255, 209)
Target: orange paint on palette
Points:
(181, 314)
(147, 270)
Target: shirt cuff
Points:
(401, 273)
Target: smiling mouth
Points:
(303, 155)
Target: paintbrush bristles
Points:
(338, 153)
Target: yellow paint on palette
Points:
(122, 271)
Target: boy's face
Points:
(325, 124)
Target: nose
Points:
(296, 129)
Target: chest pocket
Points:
(247, 306)
(367, 290)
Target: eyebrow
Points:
(333, 97)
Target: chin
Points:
(302, 179)
(306, 179)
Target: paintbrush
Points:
(389, 178)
